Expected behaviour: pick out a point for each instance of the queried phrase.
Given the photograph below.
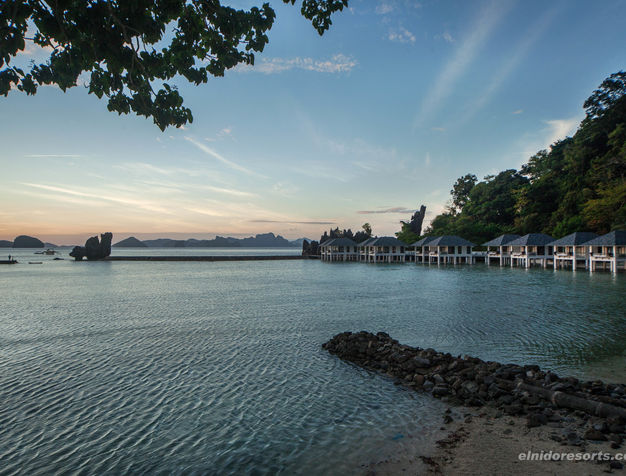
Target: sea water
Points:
(217, 367)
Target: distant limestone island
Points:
(263, 240)
(25, 241)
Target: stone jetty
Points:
(521, 390)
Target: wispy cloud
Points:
(364, 166)
(427, 159)
(519, 111)
(561, 128)
(53, 156)
(487, 20)
(230, 191)
(552, 131)
(149, 170)
(286, 189)
(294, 222)
(339, 63)
(207, 150)
(318, 170)
(143, 204)
(223, 133)
(403, 210)
(447, 37)
(205, 211)
(512, 62)
(383, 8)
(401, 35)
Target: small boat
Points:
(35, 262)
(8, 261)
(49, 252)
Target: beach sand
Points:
(480, 442)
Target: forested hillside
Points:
(579, 184)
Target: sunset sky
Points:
(364, 124)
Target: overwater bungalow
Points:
(570, 250)
(362, 248)
(608, 251)
(530, 249)
(449, 249)
(339, 249)
(499, 249)
(386, 249)
(421, 250)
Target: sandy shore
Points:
(481, 442)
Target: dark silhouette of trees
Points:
(124, 47)
(461, 191)
(412, 230)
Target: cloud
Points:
(229, 191)
(145, 169)
(556, 129)
(205, 211)
(215, 155)
(561, 128)
(447, 37)
(286, 189)
(294, 222)
(512, 62)
(403, 210)
(143, 204)
(519, 111)
(53, 156)
(383, 8)
(427, 160)
(364, 166)
(438, 129)
(339, 63)
(488, 19)
(401, 35)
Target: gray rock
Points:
(595, 435)
(440, 390)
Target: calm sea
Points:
(217, 367)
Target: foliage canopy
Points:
(579, 184)
(133, 49)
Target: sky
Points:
(364, 124)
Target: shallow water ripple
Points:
(216, 368)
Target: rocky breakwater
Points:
(591, 410)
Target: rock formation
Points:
(542, 396)
(94, 249)
(24, 241)
(417, 220)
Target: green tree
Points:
(612, 90)
(608, 211)
(406, 234)
(367, 229)
(124, 46)
(461, 191)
